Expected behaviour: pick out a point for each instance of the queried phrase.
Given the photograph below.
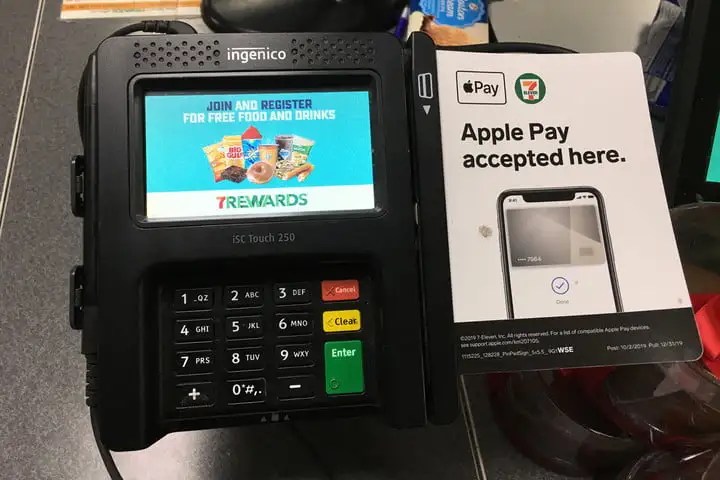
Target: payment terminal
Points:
(251, 249)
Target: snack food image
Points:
(301, 149)
(260, 172)
(284, 156)
(234, 174)
(231, 146)
(217, 160)
(306, 172)
(286, 171)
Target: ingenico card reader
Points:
(251, 251)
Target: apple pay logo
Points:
(487, 88)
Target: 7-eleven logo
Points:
(530, 88)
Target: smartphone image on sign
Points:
(557, 256)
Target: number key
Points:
(244, 327)
(293, 324)
(193, 298)
(194, 330)
(246, 391)
(245, 359)
(244, 296)
(194, 362)
(293, 355)
(288, 293)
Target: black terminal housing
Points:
(124, 294)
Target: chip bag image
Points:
(301, 150)
(232, 146)
(216, 159)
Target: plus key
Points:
(195, 395)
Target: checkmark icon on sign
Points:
(560, 285)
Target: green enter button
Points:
(344, 367)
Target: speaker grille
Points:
(332, 50)
(165, 52)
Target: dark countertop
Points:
(44, 424)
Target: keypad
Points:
(264, 346)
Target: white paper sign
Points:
(554, 197)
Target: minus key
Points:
(289, 388)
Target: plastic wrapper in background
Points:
(548, 418)
(690, 465)
(697, 231)
(658, 51)
(450, 22)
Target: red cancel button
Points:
(339, 290)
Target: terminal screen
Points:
(257, 154)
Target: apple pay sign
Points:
(481, 87)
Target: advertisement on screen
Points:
(219, 155)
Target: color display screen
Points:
(257, 154)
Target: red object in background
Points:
(671, 405)
(666, 405)
(707, 317)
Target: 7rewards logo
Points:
(481, 88)
(530, 88)
(262, 201)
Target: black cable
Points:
(91, 400)
(104, 452)
(170, 27)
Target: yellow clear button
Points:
(341, 321)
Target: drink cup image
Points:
(268, 153)
(251, 139)
(285, 146)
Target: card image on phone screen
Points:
(556, 253)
